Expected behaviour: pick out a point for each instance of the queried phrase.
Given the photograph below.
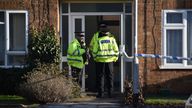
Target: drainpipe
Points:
(136, 61)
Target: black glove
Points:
(83, 45)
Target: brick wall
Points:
(40, 11)
(153, 79)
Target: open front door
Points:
(89, 24)
(115, 26)
(75, 17)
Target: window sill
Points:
(175, 67)
(15, 66)
(16, 52)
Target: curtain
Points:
(174, 44)
(17, 32)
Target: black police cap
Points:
(102, 25)
(80, 33)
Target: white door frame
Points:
(122, 39)
(122, 57)
(82, 18)
(73, 25)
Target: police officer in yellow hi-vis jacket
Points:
(105, 51)
(76, 55)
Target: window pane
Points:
(174, 45)
(2, 17)
(128, 45)
(189, 36)
(17, 31)
(174, 18)
(128, 34)
(16, 60)
(65, 35)
(78, 25)
(96, 7)
(128, 7)
(64, 8)
(2, 43)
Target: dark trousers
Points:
(76, 72)
(104, 72)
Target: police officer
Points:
(105, 51)
(77, 55)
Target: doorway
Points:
(89, 24)
(85, 17)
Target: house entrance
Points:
(88, 22)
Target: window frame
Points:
(174, 26)
(8, 52)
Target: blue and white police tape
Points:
(162, 56)
(122, 52)
(156, 56)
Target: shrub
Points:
(130, 98)
(46, 84)
(43, 46)
(128, 93)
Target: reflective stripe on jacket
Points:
(74, 54)
(104, 49)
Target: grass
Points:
(165, 100)
(12, 99)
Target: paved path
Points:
(84, 105)
(90, 102)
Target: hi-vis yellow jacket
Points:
(74, 54)
(104, 49)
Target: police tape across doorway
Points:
(122, 52)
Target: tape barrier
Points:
(122, 52)
(156, 56)
(162, 57)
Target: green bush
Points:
(46, 84)
(43, 46)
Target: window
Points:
(174, 41)
(13, 38)
(177, 38)
(96, 7)
(65, 33)
(2, 38)
(189, 38)
(174, 18)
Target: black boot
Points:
(100, 95)
(109, 94)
